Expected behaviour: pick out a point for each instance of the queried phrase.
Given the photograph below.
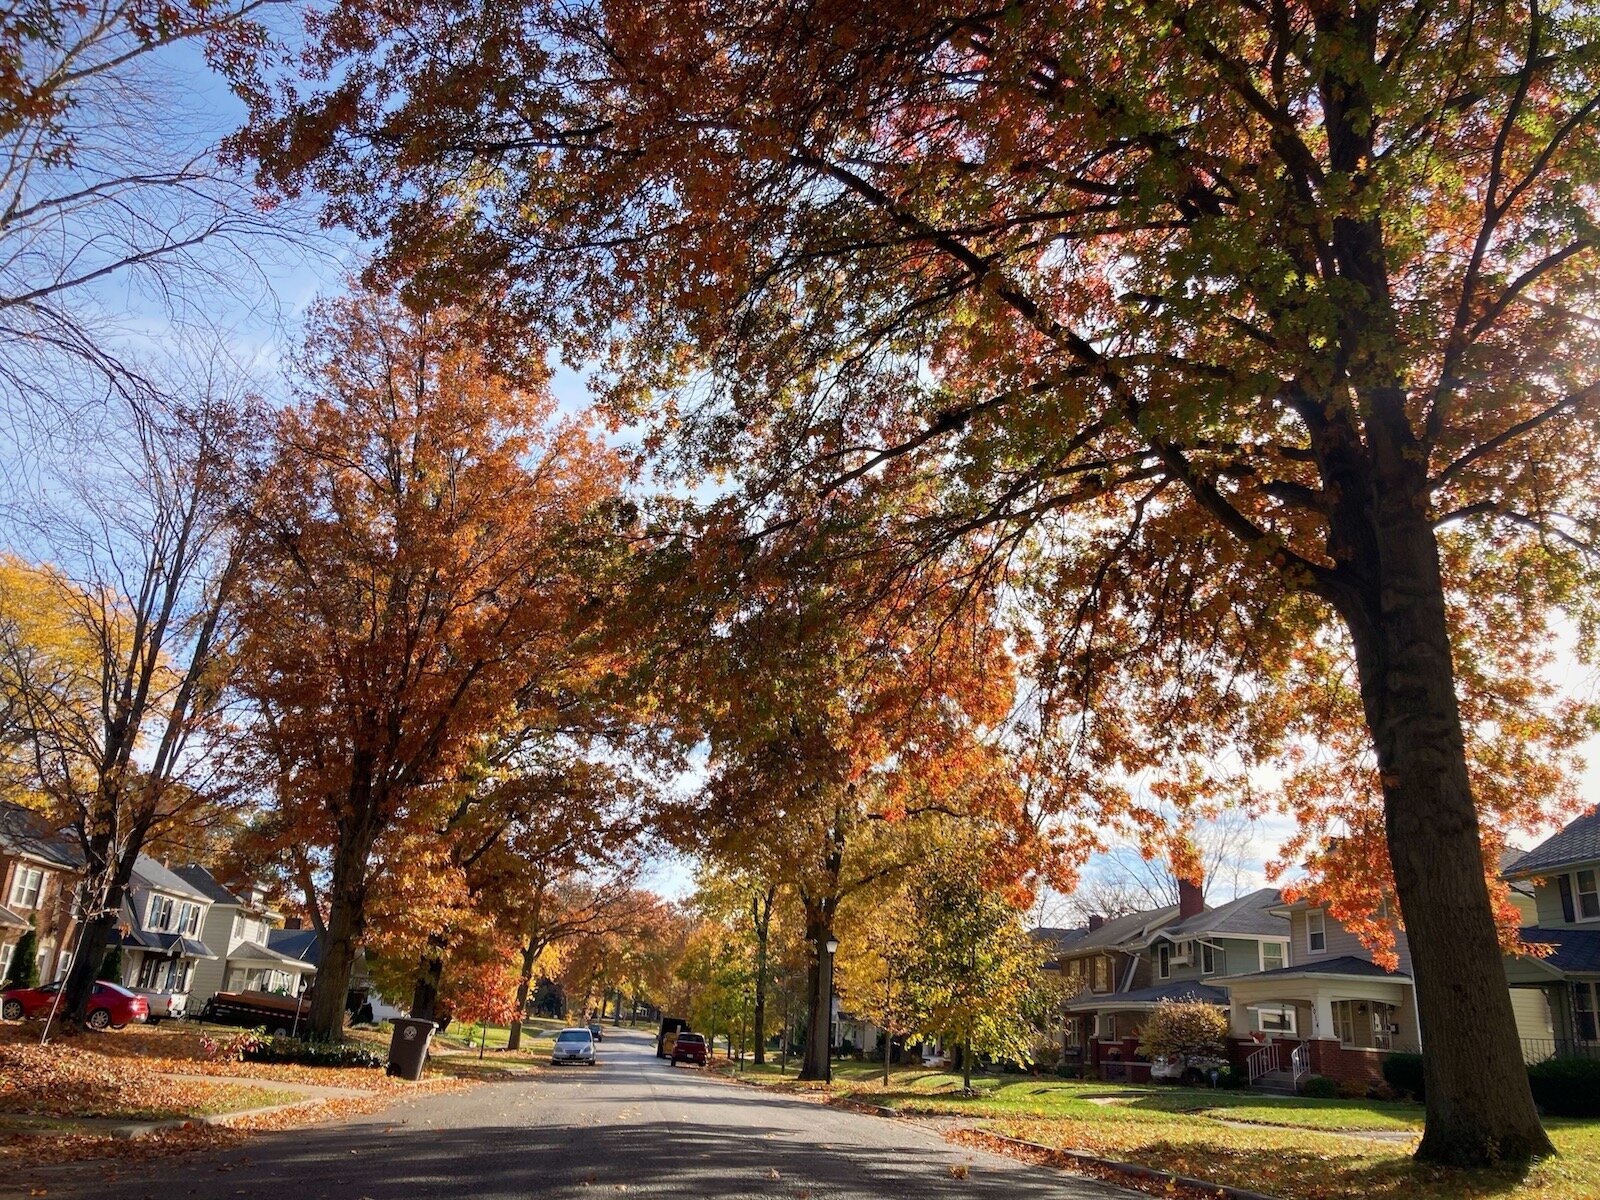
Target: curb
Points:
(1132, 1170)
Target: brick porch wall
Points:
(1347, 1066)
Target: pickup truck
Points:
(276, 1014)
(688, 1047)
(164, 1006)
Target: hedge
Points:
(1403, 1072)
(1320, 1087)
(1566, 1087)
(313, 1054)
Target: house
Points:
(40, 873)
(160, 931)
(241, 924)
(305, 945)
(1097, 966)
(1186, 953)
(1342, 1011)
(1556, 995)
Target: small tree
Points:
(111, 965)
(1183, 1028)
(24, 971)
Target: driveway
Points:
(629, 1125)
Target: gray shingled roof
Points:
(1121, 929)
(1577, 951)
(23, 831)
(1579, 842)
(301, 944)
(1345, 964)
(1248, 915)
(151, 874)
(206, 884)
(1183, 992)
(11, 920)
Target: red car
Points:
(110, 1007)
(690, 1047)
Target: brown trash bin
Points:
(408, 1047)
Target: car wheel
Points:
(148, 1021)
(11, 1010)
(99, 1019)
(1193, 1078)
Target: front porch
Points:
(1339, 1019)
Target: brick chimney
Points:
(1191, 900)
(1096, 921)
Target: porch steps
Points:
(1279, 1083)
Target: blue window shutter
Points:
(1564, 886)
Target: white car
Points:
(164, 1006)
(1192, 1069)
(573, 1046)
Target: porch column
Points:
(1238, 1018)
(1321, 1016)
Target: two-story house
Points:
(1192, 955)
(162, 916)
(1343, 1012)
(1556, 994)
(1096, 966)
(240, 922)
(40, 872)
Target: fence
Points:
(1535, 1050)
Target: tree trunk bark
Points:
(430, 974)
(758, 1009)
(815, 1063)
(347, 920)
(530, 953)
(94, 935)
(1479, 1107)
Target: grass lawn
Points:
(1294, 1148)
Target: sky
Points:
(261, 315)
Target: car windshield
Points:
(574, 1035)
(690, 1039)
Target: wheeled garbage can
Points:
(408, 1047)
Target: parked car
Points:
(1192, 1069)
(164, 1005)
(689, 1047)
(597, 1031)
(573, 1046)
(111, 1006)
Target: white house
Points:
(162, 918)
(242, 923)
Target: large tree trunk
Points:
(530, 954)
(758, 1013)
(818, 931)
(430, 973)
(347, 919)
(1479, 1107)
(102, 909)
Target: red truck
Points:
(690, 1047)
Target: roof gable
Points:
(25, 832)
(1578, 842)
(156, 878)
(206, 883)
(1250, 915)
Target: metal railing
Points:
(1299, 1064)
(1537, 1050)
(1263, 1061)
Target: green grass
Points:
(1296, 1148)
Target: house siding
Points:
(1547, 898)
(217, 933)
(52, 912)
(1340, 942)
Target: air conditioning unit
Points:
(1180, 954)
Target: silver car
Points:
(573, 1046)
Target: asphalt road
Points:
(629, 1125)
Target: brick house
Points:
(40, 872)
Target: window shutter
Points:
(1564, 886)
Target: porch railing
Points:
(1299, 1064)
(1536, 1050)
(1261, 1062)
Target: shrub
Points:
(235, 1048)
(1231, 1077)
(1403, 1072)
(1352, 1089)
(1319, 1087)
(25, 962)
(1187, 1028)
(1566, 1087)
(1382, 1091)
(111, 965)
(313, 1054)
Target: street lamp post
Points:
(833, 948)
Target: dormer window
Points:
(1588, 895)
(1316, 932)
(1208, 959)
(1163, 960)
(159, 915)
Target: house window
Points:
(160, 913)
(1583, 1011)
(1588, 895)
(26, 885)
(63, 965)
(1316, 932)
(1102, 975)
(5, 960)
(1105, 1027)
(1164, 960)
(238, 926)
(1272, 956)
(1276, 1018)
(1344, 1023)
(1208, 959)
(188, 919)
